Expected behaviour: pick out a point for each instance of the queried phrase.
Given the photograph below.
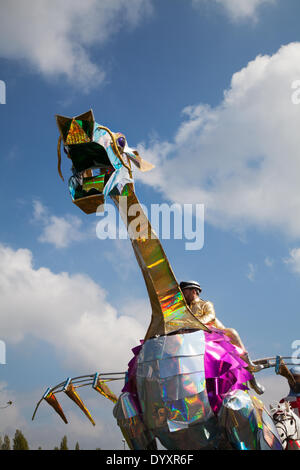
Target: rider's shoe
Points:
(258, 388)
(251, 366)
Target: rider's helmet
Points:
(190, 285)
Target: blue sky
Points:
(203, 88)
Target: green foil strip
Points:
(96, 182)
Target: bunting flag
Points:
(101, 387)
(70, 391)
(52, 400)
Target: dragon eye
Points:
(121, 142)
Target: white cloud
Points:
(240, 9)
(294, 260)
(54, 36)
(251, 272)
(269, 262)
(58, 231)
(241, 158)
(71, 313)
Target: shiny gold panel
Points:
(169, 309)
(89, 204)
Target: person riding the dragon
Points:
(205, 312)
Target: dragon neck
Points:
(170, 312)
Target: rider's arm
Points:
(208, 313)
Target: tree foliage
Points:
(6, 443)
(64, 443)
(20, 442)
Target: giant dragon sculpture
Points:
(186, 384)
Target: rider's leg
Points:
(236, 340)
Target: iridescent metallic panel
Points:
(238, 418)
(270, 432)
(149, 370)
(176, 408)
(198, 436)
(175, 414)
(188, 410)
(170, 367)
(131, 424)
(85, 122)
(182, 386)
(158, 407)
(175, 426)
(239, 400)
(259, 407)
(180, 365)
(125, 407)
(128, 406)
(96, 182)
(189, 344)
(76, 134)
(152, 403)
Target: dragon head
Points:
(101, 160)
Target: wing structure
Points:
(69, 387)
